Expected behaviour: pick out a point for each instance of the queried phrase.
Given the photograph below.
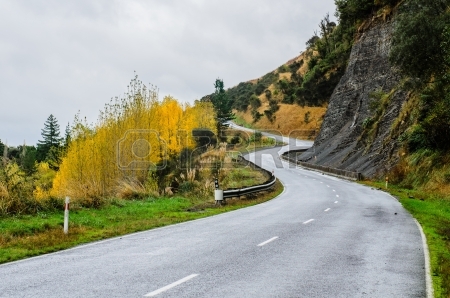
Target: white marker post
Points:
(66, 216)
(387, 180)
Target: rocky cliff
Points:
(356, 132)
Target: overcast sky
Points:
(60, 57)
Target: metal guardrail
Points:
(231, 193)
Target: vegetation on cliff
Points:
(421, 50)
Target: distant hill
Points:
(291, 99)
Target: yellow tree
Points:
(132, 135)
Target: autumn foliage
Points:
(134, 137)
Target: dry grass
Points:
(133, 189)
(289, 120)
(284, 75)
(305, 56)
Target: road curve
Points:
(322, 237)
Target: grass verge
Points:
(32, 235)
(433, 213)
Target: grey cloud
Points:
(63, 56)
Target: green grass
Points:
(243, 177)
(241, 122)
(26, 236)
(433, 213)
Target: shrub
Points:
(306, 118)
(235, 140)
(256, 115)
(283, 68)
(255, 102)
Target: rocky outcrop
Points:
(343, 141)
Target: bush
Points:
(256, 137)
(306, 118)
(255, 102)
(283, 68)
(269, 115)
(235, 140)
(186, 187)
(367, 123)
(259, 88)
(256, 115)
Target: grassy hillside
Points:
(290, 120)
(294, 97)
(276, 101)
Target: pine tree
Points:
(52, 139)
(222, 105)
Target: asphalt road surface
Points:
(322, 237)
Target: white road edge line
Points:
(335, 202)
(326, 210)
(308, 221)
(267, 241)
(426, 254)
(172, 285)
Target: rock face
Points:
(343, 141)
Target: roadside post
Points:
(66, 216)
(387, 180)
(218, 193)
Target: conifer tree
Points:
(222, 105)
(51, 138)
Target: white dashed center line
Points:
(326, 210)
(172, 285)
(267, 241)
(308, 221)
(337, 196)
(336, 202)
(333, 190)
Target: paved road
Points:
(323, 237)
